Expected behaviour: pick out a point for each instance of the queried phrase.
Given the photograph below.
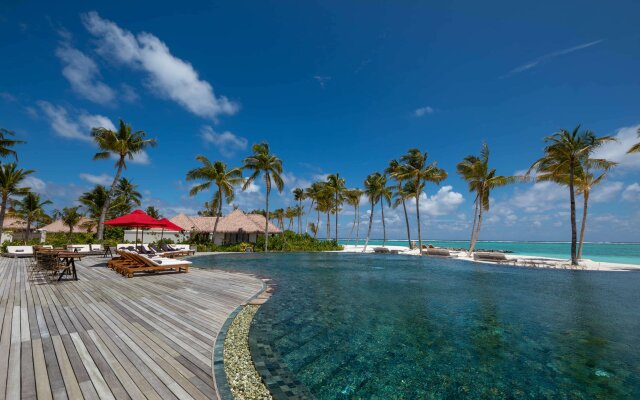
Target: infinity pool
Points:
(351, 326)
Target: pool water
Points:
(354, 326)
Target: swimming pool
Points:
(391, 327)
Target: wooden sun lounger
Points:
(143, 264)
(437, 252)
(498, 258)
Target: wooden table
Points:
(69, 257)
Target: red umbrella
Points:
(137, 219)
(168, 225)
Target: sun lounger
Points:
(133, 263)
(19, 251)
(437, 252)
(382, 250)
(498, 258)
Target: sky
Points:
(333, 86)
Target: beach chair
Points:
(19, 251)
(156, 264)
(381, 250)
(494, 257)
(436, 252)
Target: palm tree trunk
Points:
(358, 225)
(584, 222)
(384, 226)
(366, 243)
(328, 225)
(215, 224)
(306, 227)
(473, 227)
(353, 226)
(337, 212)
(266, 219)
(300, 217)
(574, 260)
(406, 221)
(477, 233)
(28, 233)
(418, 220)
(107, 203)
(3, 211)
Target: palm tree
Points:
(385, 196)
(215, 174)
(324, 203)
(127, 196)
(314, 192)
(335, 186)
(6, 144)
(562, 160)
(153, 212)
(415, 168)
(123, 144)
(11, 178)
(30, 209)
(263, 162)
(94, 200)
(299, 196)
(352, 198)
(401, 196)
(290, 214)
(70, 217)
(372, 188)
(481, 179)
(636, 147)
(314, 229)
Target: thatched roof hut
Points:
(235, 222)
(85, 225)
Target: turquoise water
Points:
(355, 326)
(626, 253)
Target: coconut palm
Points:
(562, 160)
(299, 196)
(403, 194)
(636, 147)
(6, 143)
(217, 174)
(352, 197)
(70, 217)
(11, 180)
(335, 186)
(30, 208)
(94, 200)
(314, 229)
(123, 144)
(270, 166)
(416, 169)
(372, 188)
(400, 195)
(290, 214)
(153, 212)
(325, 204)
(126, 196)
(314, 192)
(385, 197)
(481, 179)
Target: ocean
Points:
(626, 253)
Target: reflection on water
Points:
(392, 327)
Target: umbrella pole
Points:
(142, 240)
(136, 237)
(161, 234)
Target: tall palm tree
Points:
(335, 186)
(270, 166)
(401, 195)
(217, 174)
(126, 196)
(314, 229)
(372, 188)
(385, 196)
(324, 203)
(290, 214)
(30, 209)
(481, 179)
(352, 197)
(314, 192)
(6, 143)
(153, 212)
(299, 196)
(70, 217)
(94, 200)
(11, 179)
(415, 168)
(560, 163)
(123, 144)
(636, 147)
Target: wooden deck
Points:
(109, 337)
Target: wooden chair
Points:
(143, 264)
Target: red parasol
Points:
(170, 226)
(136, 219)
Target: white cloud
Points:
(445, 201)
(226, 142)
(617, 151)
(83, 75)
(540, 197)
(606, 191)
(422, 111)
(103, 179)
(65, 126)
(632, 192)
(534, 63)
(35, 184)
(252, 188)
(167, 75)
(320, 177)
(322, 80)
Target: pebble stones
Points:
(243, 379)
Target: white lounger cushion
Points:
(166, 261)
(20, 249)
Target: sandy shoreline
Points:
(516, 260)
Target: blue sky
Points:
(333, 87)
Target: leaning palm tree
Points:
(400, 194)
(335, 186)
(481, 179)
(30, 208)
(636, 147)
(385, 197)
(372, 188)
(352, 197)
(314, 229)
(560, 163)
(11, 180)
(217, 174)
(416, 169)
(6, 143)
(270, 166)
(123, 144)
(299, 196)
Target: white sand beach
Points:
(518, 260)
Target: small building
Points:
(85, 225)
